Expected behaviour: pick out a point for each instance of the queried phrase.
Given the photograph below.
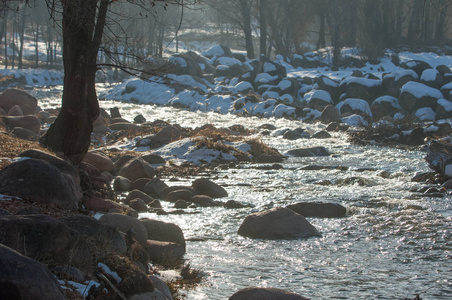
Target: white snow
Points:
(265, 78)
(361, 81)
(426, 114)
(35, 77)
(107, 270)
(284, 84)
(354, 120)
(270, 95)
(446, 104)
(287, 99)
(228, 61)
(398, 116)
(356, 105)
(429, 75)
(82, 288)
(283, 110)
(214, 51)
(177, 60)
(400, 74)
(420, 90)
(392, 100)
(269, 67)
(318, 94)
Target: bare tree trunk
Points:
(263, 27)
(36, 42)
(246, 16)
(21, 39)
(82, 34)
(321, 41)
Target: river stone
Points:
(154, 187)
(24, 278)
(138, 204)
(161, 286)
(203, 201)
(100, 161)
(138, 194)
(124, 223)
(308, 152)
(179, 195)
(11, 97)
(165, 136)
(153, 159)
(330, 114)
(40, 181)
(205, 186)
(158, 250)
(181, 204)
(318, 209)
(108, 237)
(275, 224)
(28, 122)
(45, 239)
(173, 188)
(137, 168)
(256, 293)
(25, 134)
(121, 184)
(15, 111)
(164, 232)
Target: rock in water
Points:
(209, 188)
(277, 224)
(256, 293)
(317, 209)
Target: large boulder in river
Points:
(40, 181)
(137, 168)
(318, 209)
(308, 152)
(276, 224)
(12, 97)
(164, 232)
(257, 293)
(45, 239)
(126, 223)
(209, 188)
(24, 278)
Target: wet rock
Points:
(28, 122)
(164, 232)
(121, 184)
(138, 204)
(318, 209)
(256, 293)
(125, 223)
(139, 119)
(106, 236)
(321, 135)
(180, 204)
(385, 106)
(137, 168)
(234, 204)
(158, 250)
(308, 152)
(12, 97)
(24, 278)
(179, 195)
(292, 135)
(155, 204)
(330, 114)
(45, 239)
(124, 126)
(207, 187)
(139, 184)
(98, 204)
(277, 223)
(41, 181)
(123, 160)
(25, 134)
(264, 158)
(203, 201)
(100, 161)
(170, 189)
(138, 194)
(114, 112)
(155, 187)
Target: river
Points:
(391, 245)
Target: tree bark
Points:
(82, 34)
(246, 15)
(263, 27)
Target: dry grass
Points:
(258, 147)
(11, 147)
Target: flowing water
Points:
(390, 245)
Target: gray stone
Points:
(318, 209)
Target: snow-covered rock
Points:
(384, 106)
(356, 106)
(415, 95)
(444, 109)
(425, 114)
(316, 98)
